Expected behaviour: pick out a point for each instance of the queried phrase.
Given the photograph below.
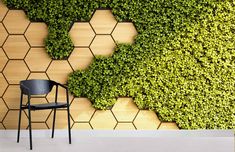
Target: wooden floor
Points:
(120, 141)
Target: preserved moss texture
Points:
(182, 64)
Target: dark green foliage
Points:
(182, 64)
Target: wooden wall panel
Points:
(16, 22)
(3, 10)
(36, 34)
(23, 56)
(36, 56)
(103, 21)
(3, 34)
(15, 71)
(12, 97)
(11, 120)
(81, 34)
(59, 71)
(16, 47)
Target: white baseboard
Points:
(121, 141)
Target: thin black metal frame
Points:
(27, 92)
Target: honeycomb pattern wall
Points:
(23, 56)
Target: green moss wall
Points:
(182, 64)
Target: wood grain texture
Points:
(168, 126)
(37, 59)
(125, 110)
(3, 109)
(103, 45)
(3, 34)
(16, 47)
(3, 83)
(1, 127)
(12, 97)
(3, 10)
(82, 126)
(124, 32)
(103, 21)
(81, 110)
(125, 126)
(61, 120)
(80, 58)
(81, 34)
(16, 22)
(103, 120)
(3, 60)
(147, 120)
(11, 120)
(36, 34)
(39, 126)
(38, 76)
(59, 71)
(15, 71)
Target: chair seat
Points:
(47, 106)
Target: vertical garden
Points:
(182, 64)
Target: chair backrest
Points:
(36, 87)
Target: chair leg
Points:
(19, 122)
(69, 130)
(30, 130)
(53, 125)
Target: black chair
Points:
(41, 87)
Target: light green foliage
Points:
(182, 64)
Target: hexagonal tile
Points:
(12, 97)
(3, 10)
(61, 120)
(15, 71)
(39, 115)
(3, 109)
(3, 60)
(80, 58)
(16, 47)
(125, 109)
(103, 21)
(12, 118)
(16, 22)
(125, 126)
(124, 33)
(168, 126)
(82, 126)
(81, 109)
(36, 125)
(38, 76)
(36, 34)
(4, 34)
(1, 127)
(81, 34)
(98, 47)
(37, 59)
(146, 120)
(61, 95)
(103, 120)
(59, 71)
(3, 83)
